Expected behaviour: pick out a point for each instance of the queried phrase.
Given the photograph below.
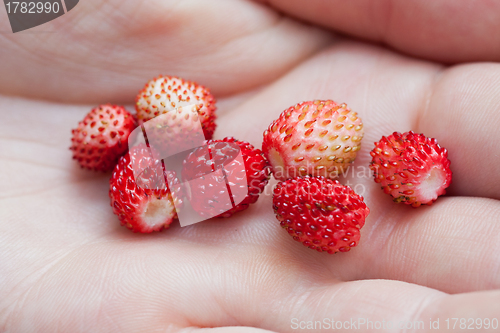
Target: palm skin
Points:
(66, 265)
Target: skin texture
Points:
(66, 265)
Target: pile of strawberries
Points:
(306, 149)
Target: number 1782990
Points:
(32, 7)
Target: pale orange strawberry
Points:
(317, 138)
(168, 93)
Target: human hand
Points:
(66, 265)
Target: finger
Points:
(156, 285)
(463, 113)
(443, 30)
(107, 51)
(145, 286)
(451, 246)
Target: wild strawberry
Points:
(221, 183)
(411, 168)
(143, 204)
(320, 213)
(318, 138)
(167, 93)
(101, 137)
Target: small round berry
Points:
(411, 168)
(320, 213)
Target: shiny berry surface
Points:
(411, 168)
(320, 213)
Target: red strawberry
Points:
(102, 137)
(411, 168)
(318, 138)
(320, 213)
(165, 94)
(144, 204)
(246, 177)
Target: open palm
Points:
(66, 264)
